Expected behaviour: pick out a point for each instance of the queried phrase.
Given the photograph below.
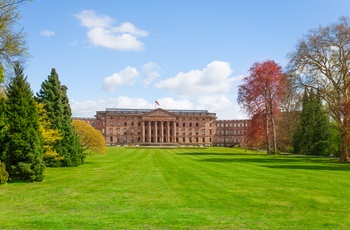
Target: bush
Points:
(4, 176)
(322, 148)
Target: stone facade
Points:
(167, 127)
(231, 132)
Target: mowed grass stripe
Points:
(198, 188)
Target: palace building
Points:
(167, 127)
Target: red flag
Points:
(157, 102)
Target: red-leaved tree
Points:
(260, 96)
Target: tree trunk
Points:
(274, 135)
(268, 149)
(344, 155)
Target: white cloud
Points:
(126, 76)
(170, 103)
(224, 107)
(214, 79)
(89, 19)
(101, 32)
(47, 33)
(88, 108)
(152, 72)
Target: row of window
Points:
(230, 132)
(230, 124)
(131, 139)
(125, 118)
(229, 140)
(125, 123)
(152, 131)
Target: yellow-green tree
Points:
(50, 137)
(91, 140)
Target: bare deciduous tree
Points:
(321, 61)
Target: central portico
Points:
(159, 126)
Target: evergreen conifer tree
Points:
(2, 127)
(2, 115)
(55, 100)
(313, 132)
(23, 142)
(71, 138)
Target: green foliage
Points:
(54, 99)
(4, 176)
(13, 47)
(23, 141)
(313, 135)
(3, 127)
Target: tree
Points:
(91, 140)
(4, 176)
(3, 122)
(12, 43)
(55, 101)
(313, 134)
(23, 141)
(261, 93)
(255, 135)
(321, 61)
(70, 138)
(50, 138)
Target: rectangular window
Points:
(124, 131)
(111, 131)
(125, 123)
(111, 123)
(132, 123)
(118, 130)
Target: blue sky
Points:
(186, 54)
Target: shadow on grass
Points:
(252, 160)
(219, 154)
(308, 167)
(285, 163)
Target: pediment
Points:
(159, 113)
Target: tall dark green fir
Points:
(70, 138)
(23, 140)
(55, 100)
(313, 133)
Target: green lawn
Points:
(213, 188)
